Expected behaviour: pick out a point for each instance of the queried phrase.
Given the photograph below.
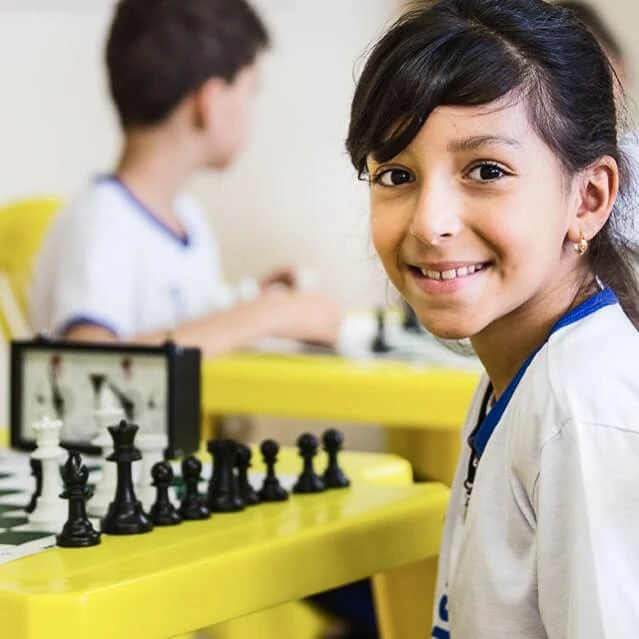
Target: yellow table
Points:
(175, 580)
(340, 536)
(329, 387)
(422, 407)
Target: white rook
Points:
(50, 511)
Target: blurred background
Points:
(292, 197)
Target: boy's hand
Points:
(290, 277)
(307, 316)
(284, 276)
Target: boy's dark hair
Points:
(473, 52)
(593, 20)
(158, 51)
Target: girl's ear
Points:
(598, 186)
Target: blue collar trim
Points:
(184, 240)
(480, 436)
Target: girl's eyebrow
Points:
(476, 141)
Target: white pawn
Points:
(50, 511)
(152, 447)
(105, 488)
(306, 279)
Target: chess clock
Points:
(156, 387)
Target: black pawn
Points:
(308, 481)
(380, 345)
(222, 494)
(163, 512)
(36, 471)
(411, 323)
(243, 463)
(77, 531)
(125, 515)
(334, 476)
(192, 506)
(271, 488)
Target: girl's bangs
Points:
(448, 72)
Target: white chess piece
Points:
(306, 278)
(247, 289)
(50, 511)
(104, 493)
(152, 446)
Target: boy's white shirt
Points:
(107, 260)
(550, 544)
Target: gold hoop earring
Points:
(582, 246)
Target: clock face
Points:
(71, 385)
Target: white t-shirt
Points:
(549, 545)
(109, 261)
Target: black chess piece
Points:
(36, 472)
(334, 476)
(163, 512)
(77, 532)
(271, 489)
(308, 481)
(222, 494)
(193, 505)
(125, 515)
(380, 345)
(243, 463)
(410, 322)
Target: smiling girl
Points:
(487, 130)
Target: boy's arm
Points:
(305, 316)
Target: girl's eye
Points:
(487, 172)
(393, 177)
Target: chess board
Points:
(19, 538)
(358, 333)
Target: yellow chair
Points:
(23, 224)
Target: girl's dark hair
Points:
(593, 20)
(473, 52)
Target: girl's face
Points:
(476, 220)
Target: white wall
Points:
(56, 125)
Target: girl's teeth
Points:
(451, 274)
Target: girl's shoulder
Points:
(586, 372)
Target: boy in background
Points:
(132, 257)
